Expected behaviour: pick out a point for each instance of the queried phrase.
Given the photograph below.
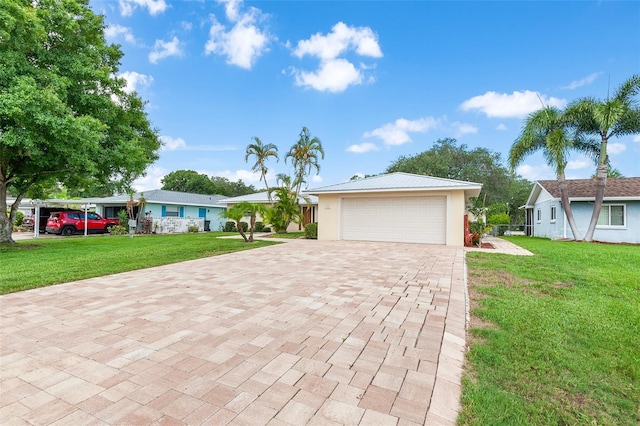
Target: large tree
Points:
(550, 131)
(64, 115)
(449, 160)
(200, 183)
(616, 116)
(261, 153)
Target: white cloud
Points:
(332, 76)
(501, 127)
(115, 31)
(636, 138)
(461, 129)
(362, 148)
(135, 80)
(534, 173)
(245, 42)
(581, 163)
(152, 180)
(335, 74)
(164, 49)
(172, 144)
(316, 179)
(246, 176)
(583, 82)
(616, 148)
(342, 38)
(515, 105)
(127, 7)
(397, 133)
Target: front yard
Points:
(555, 337)
(36, 263)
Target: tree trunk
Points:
(566, 205)
(6, 220)
(239, 226)
(252, 224)
(601, 184)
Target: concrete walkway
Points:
(307, 332)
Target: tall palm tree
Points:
(286, 208)
(549, 130)
(305, 155)
(618, 116)
(261, 152)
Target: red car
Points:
(71, 222)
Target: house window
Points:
(172, 211)
(612, 215)
(553, 213)
(539, 215)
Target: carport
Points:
(38, 204)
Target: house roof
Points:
(161, 196)
(263, 197)
(398, 181)
(585, 189)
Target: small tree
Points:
(241, 210)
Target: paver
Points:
(304, 332)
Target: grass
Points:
(36, 263)
(555, 337)
(291, 235)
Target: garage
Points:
(395, 207)
(405, 219)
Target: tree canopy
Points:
(449, 160)
(64, 115)
(199, 183)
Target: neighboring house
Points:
(619, 220)
(27, 207)
(396, 207)
(168, 204)
(309, 209)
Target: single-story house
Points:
(309, 204)
(619, 220)
(168, 204)
(395, 207)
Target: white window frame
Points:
(554, 214)
(172, 210)
(538, 215)
(606, 207)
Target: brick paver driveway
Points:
(306, 332)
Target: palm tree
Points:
(286, 208)
(242, 209)
(549, 130)
(304, 156)
(261, 152)
(618, 116)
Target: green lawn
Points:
(36, 263)
(555, 337)
(291, 235)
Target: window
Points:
(539, 215)
(612, 215)
(173, 211)
(553, 213)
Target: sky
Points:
(373, 80)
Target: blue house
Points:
(619, 220)
(167, 204)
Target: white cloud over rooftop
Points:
(514, 105)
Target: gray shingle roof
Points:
(585, 188)
(396, 181)
(158, 196)
(263, 197)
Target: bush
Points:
(19, 218)
(118, 230)
(311, 231)
(258, 227)
(123, 219)
(193, 228)
(499, 219)
(266, 229)
(245, 226)
(230, 227)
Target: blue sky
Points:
(372, 79)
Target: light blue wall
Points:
(582, 211)
(213, 214)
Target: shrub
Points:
(499, 219)
(118, 230)
(266, 229)
(258, 227)
(245, 226)
(230, 227)
(193, 228)
(19, 218)
(123, 219)
(311, 231)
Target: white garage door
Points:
(397, 219)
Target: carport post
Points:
(36, 222)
